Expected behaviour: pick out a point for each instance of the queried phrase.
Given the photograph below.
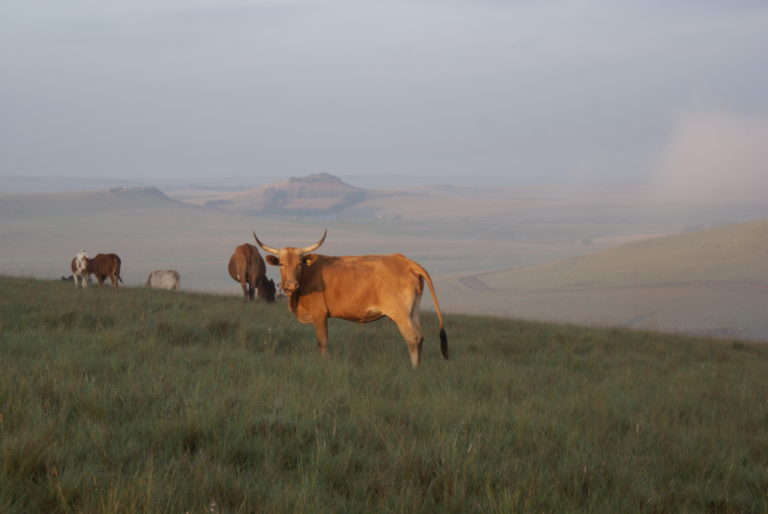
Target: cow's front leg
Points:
(321, 334)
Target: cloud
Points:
(554, 89)
(715, 157)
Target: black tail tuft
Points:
(444, 343)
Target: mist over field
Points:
(715, 157)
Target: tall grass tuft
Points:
(141, 400)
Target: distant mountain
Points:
(317, 194)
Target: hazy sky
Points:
(561, 90)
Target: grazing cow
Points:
(105, 265)
(164, 279)
(79, 267)
(355, 288)
(247, 267)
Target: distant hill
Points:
(710, 282)
(316, 194)
(734, 253)
(26, 205)
(21, 184)
(324, 194)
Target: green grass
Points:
(148, 401)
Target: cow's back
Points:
(246, 261)
(388, 278)
(106, 263)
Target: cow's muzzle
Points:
(290, 287)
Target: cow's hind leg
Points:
(411, 332)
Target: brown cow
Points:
(247, 267)
(355, 288)
(105, 265)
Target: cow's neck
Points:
(293, 302)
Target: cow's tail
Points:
(443, 337)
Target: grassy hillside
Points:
(135, 400)
(734, 253)
(709, 282)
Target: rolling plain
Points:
(605, 256)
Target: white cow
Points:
(163, 279)
(79, 267)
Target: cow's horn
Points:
(264, 247)
(316, 245)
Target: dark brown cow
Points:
(355, 288)
(105, 265)
(247, 267)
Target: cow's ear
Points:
(273, 260)
(310, 259)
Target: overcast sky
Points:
(556, 90)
